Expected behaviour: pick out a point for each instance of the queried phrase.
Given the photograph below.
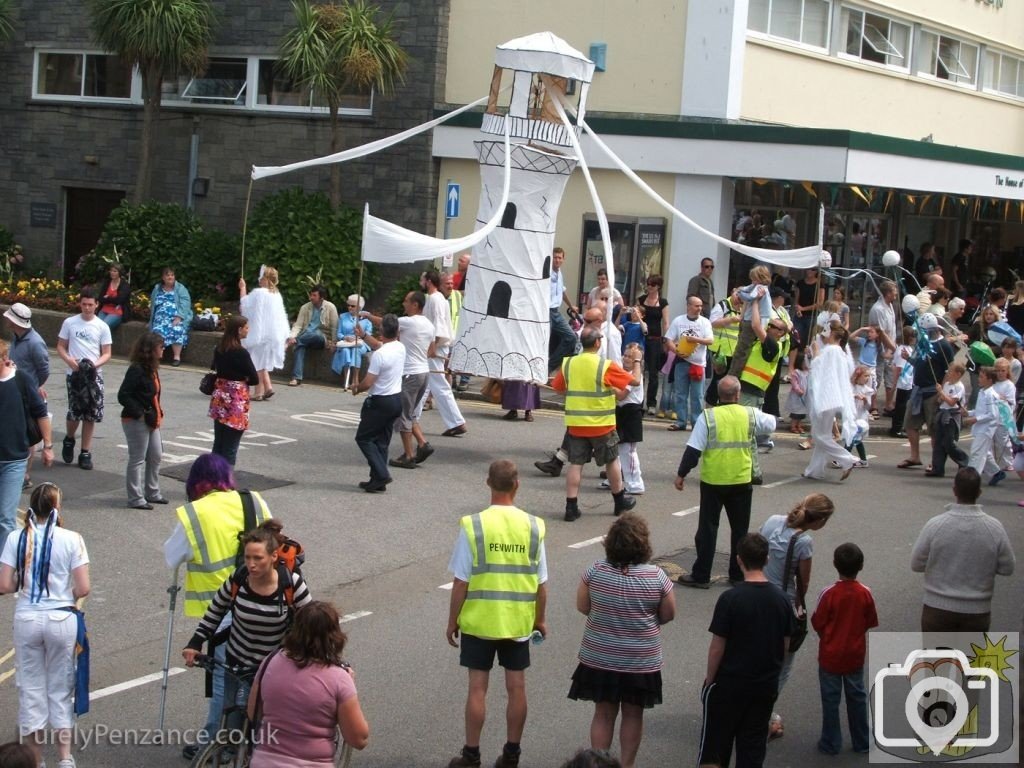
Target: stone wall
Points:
(45, 144)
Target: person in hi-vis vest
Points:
(591, 385)
(206, 539)
(498, 603)
(722, 443)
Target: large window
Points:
(1004, 74)
(875, 38)
(78, 75)
(276, 90)
(947, 58)
(802, 21)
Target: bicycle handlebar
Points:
(237, 671)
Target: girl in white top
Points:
(985, 418)
(268, 329)
(629, 418)
(48, 566)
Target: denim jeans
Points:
(832, 687)
(12, 476)
(666, 402)
(306, 340)
(689, 395)
(236, 694)
(225, 441)
(111, 320)
(562, 341)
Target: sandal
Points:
(268, 394)
(256, 398)
(675, 428)
(907, 464)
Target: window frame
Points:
(960, 81)
(996, 76)
(848, 11)
(134, 83)
(768, 35)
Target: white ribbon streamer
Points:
(261, 172)
(800, 258)
(387, 243)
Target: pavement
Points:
(382, 558)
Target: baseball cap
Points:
(20, 315)
(928, 321)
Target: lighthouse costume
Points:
(830, 397)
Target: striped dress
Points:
(259, 622)
(622, 632)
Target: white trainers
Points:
(68, 762)
(860, 464)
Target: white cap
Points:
(20, 315)
(928, 322)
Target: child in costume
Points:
(952, 397)
(758, 290)
(903, 375)
(796, 403)
(863, 396)
(985, 417)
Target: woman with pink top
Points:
(304, 694)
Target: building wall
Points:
(644, 38)
(45, 143)
(780, 85)
(976, 18)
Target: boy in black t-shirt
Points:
(750, 634)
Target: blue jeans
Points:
(562, 342)
(666, 401)
(306, 340)
(12, 476)
(111, 320)
(689, 395)
(832, 687)
(225, 441)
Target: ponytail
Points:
(813, 508)
(269, 534)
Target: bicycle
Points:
(233, 746)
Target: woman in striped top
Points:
(261, 609)
(625, 600)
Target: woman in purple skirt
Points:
(516, 395)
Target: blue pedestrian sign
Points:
(451, 205)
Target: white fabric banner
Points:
(800, 258)
(262, 171)
(387, 243)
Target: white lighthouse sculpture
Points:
(504, 323)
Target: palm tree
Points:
(160, 37)
(336, 49)
(6, 20)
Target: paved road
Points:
(383, 559)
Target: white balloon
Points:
(825, 260)
(910, 304)
(891, 258)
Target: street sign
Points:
(451, 207)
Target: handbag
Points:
(492, 390)
(208, 383)
(796, 639)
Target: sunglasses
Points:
(707, 266)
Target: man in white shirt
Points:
(383, 404)
(883, 316)
(691, 361)
(438, 312)
(563, 340)
(83, 337)
(417, 336)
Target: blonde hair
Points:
(957, 368)
(271, 276)
(760, 274)
(4, 348)
(813, 508)
(860, 370)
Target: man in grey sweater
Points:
(960, 552)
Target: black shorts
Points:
(629, 423)
(478, 653)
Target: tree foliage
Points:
(6, 20)
(307, 241)
(335, 49)
(160, 37)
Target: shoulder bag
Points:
(799, 609)
(32, 431)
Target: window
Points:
(223, 82)
(947, 58)
(876, 38)
(277, 90)
(1004, 74)
(802, 21)
(76, 75)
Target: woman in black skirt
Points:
(625, 600)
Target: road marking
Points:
(354, 616)
(336, 417)
(449, 585)
(787, 481)
(7, 674)
(685, 512)
(6, 656)
(129, 684)
(205, 437)
(587, 543)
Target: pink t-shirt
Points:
(300, 713)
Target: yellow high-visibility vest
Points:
(726, 336)
(727, 459)
(787, 341)
(588, 401)
(501, 599)
(455, 305)
(759, 371)
(212, 525)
